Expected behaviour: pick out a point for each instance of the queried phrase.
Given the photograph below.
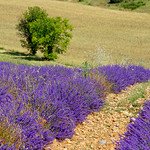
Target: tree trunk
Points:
(50, 49)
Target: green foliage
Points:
(86, 69)
(29, 16)
(86, 2)
(132, 4)
(128, 4)
(38, 31)
(51, 56)
(2, 48)
(133, 100)
(51, 35)
(138, 92)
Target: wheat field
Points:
(100, 36)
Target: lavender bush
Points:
(138, 135)
(124, 76)
(30, 133)
(46, 103)
(60, 96)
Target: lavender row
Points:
(138, 135)
(15, 117)
(124, 76)
(59, 96)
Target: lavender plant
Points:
(29, 133)
(124, 76)
(65, 96)
(137, 136)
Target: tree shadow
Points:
(21, 55)
(14, 53)
(31, 58)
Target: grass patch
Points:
(138, 92)
(1, 48)
(24, 59)
(130, 102)
(134, 101)
(132, 4)
(85, 2)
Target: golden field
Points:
(100, 36)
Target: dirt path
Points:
(101, 128)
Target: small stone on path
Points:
(102, 142)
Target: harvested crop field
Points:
(123, 35)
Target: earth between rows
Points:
(101, 129)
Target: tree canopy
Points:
(40, 32)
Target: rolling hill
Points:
(100, 35)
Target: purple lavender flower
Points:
(138, 135)
(124, 76)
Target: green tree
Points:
(29, 16)
(51, 35)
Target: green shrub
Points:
(86, 2)
(29, 16)
(39, 32)
(132, 4)
(51, 34)
(2, 48)
(51, 56)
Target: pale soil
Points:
(101, 126)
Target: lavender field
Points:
(40, 104)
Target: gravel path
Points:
(100, 129)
